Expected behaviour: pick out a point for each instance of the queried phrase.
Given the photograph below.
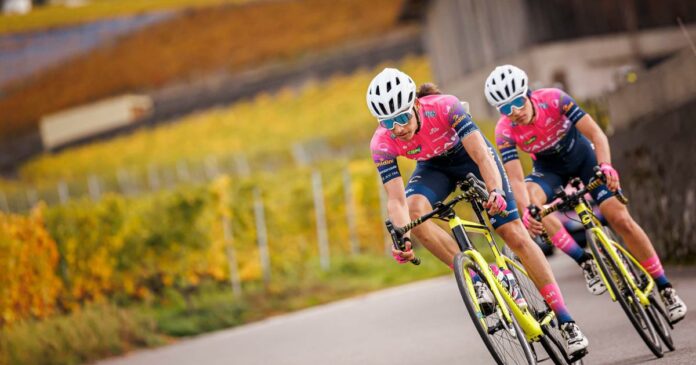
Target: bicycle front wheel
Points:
(656, 311)
(504, 339)
(624, 294)
(552, 341)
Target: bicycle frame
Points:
(460, 227)
(612, 248)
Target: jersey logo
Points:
(384, 163)
(543, 105)
(430, 113)
(434, 130)
(567, 107)
(414, 151)
(458, 120)
(530, 141)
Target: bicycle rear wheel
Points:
(553, 340)
(656, 311)
(505, 340)
(625, 296)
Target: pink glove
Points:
(611, 174)
(397, 253)
(533, 226)
(526, 217)
(496, 203)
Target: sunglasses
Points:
(401, 119)
(516, 103)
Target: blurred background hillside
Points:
(171, 167)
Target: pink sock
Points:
(654, 268)
(552, 295)
(565, 242)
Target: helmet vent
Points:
(384, 110)
(388, 86)
(391, 106)
(513, 85)
(502, 76)
(523, 80)
(507, 90)
(500, 95)
(398, 81)
(377, 90)
(493, 97)
(398, 100)
(410, 96)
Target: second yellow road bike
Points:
(626, 280)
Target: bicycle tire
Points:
(482, 322)
(552, 341)
(626, 297)
(656, 312)
(661, 322)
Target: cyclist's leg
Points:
(620, 220)
(540, 184)
(517, 239)
(511, 229)
(426, 187)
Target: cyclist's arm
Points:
(477, 148)
(397, 209)
(516, 175)
(590, 129)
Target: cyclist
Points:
(565, 142)
(436, 131)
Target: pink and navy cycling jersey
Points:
(552, 133)
(444, 122)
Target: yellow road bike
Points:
(626, 280)
(512, 334)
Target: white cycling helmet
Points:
(390, 93)
(504, 84)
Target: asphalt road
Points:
(421, 323)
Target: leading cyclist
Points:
(437, 131)
(565, 142)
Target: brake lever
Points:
(397, 239)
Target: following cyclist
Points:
(565, 142)
(437, 132)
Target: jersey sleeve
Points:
(459, 119)
(505, 143)
(385, 160)
(570, 108)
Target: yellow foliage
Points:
(28, 261)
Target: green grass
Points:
(50, 16)
(92, 333)
(213, 306)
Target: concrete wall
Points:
(669, 85)
(587, 67)
(656, 158)
(654, 150)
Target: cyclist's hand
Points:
(611, 174)
(533, 226)
(406, 255)
(496, 202)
